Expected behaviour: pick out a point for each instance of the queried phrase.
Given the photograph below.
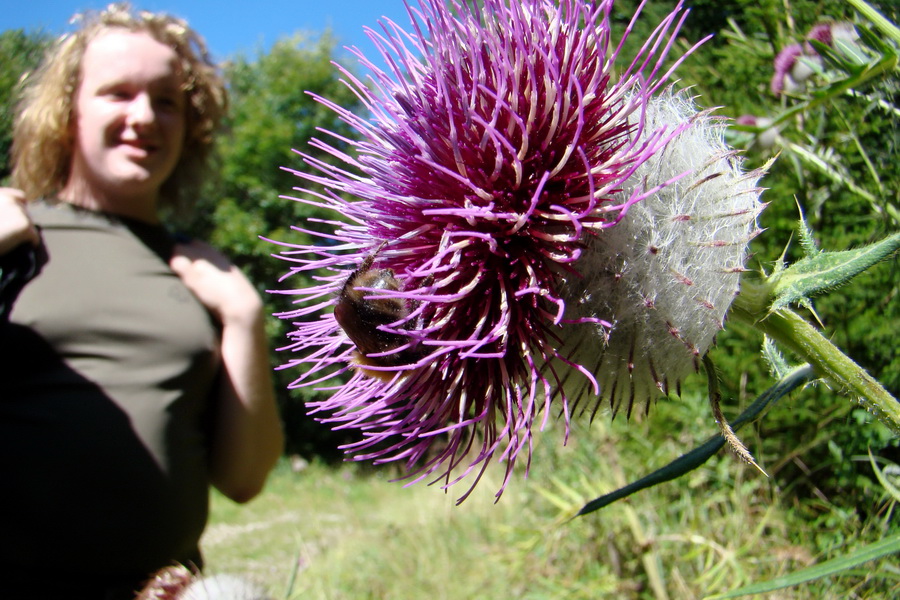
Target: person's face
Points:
(130, 114)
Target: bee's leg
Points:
(367, 263)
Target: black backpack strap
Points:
(17, 268)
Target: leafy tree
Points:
(20, 52)
(272, 112)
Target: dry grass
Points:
(350, 533)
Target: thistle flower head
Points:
(784, 64)
(820, 33)
(793, 66)
(499, 141)
(830, 33)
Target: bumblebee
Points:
(360, 317)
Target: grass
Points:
(348, 532)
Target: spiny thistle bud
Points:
(180, 583)
(500, 141)
(666, 274)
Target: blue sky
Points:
(230, 26)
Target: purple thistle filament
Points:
(494, 146)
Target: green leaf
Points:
(699, 455)
(877, 19)
(872, 40)
(883, 478)
(879, 549)
(826, 271)
(829, 165)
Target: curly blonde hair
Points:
(43, 134)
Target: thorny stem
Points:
(795, 333)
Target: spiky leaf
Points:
(881, 23)
(699, 455)
(827, 270)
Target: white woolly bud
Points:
(223, 587)
(667, 273)
(767, 138)
(804, 68)
(792, 86)
(768, 135)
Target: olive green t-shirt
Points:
(106, 370)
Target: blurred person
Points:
(133, 366)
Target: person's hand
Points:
(15, 225)
(216, 282)
(246, 438)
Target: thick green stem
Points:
(795, 333)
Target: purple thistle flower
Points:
(796, 63)
(499, 142)
(830, 34)
(783, 65)
(821, 33)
